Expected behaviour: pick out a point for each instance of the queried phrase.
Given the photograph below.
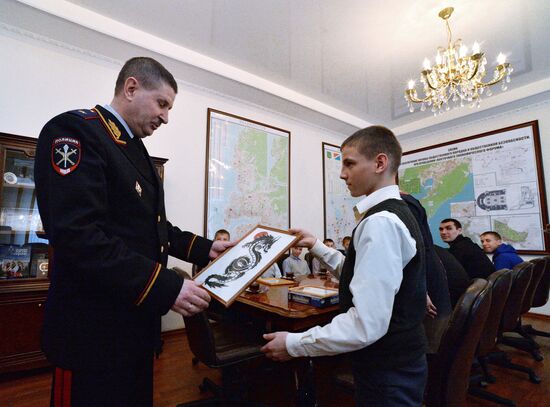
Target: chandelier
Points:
(456, 78)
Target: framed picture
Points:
(227, 276)
(247, 175)
(337, 202)
(491, 181)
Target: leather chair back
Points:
(512, 309)
(280, 260)
(540, 296)
(500, 282)
(538, 271)
(201, 338)
(449, 378)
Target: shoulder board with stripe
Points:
(85, 113)
(111, 127)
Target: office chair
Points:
(540, 298)
(526, 342)
(500, 283)
(450, 371)
(228, 348)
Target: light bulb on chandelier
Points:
(456, 78)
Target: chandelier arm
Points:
(426, 75)
(501, 69)
(413, 97)
(475, 70)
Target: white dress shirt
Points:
(272, 271)
(383, 247)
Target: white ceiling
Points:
(348, 60)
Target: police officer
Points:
(102, 205)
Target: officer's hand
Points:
(191, 300)
(218, 247)
(307, 239)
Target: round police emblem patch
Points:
(66, 152)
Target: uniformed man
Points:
(102, 205)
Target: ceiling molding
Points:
(113, 28)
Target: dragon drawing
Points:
(238, 267)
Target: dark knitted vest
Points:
(405, 340)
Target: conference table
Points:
(280, 314)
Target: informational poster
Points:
(248, 175)
(492, 181)
(338, 203)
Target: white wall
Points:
(41, 79)
(539, 111)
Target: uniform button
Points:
(162, 249)
(158, 219)
(168, 244)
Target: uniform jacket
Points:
(102, 207)
(506, 257)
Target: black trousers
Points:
(396, 387)
(119, 387)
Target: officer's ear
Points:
(131, 85)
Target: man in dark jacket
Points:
(469, 254)
(504, 255)
(102, 205)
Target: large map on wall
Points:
(248, 181)
(339, 218)
(492, 181)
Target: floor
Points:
(177, 380)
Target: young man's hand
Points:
(275, 349)
(431, 310)
(307, 239)
(218, 247)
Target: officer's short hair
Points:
(375, 140)
(149, 73)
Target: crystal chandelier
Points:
(456, 78)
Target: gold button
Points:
(158, 219)
(162, 249)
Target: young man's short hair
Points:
(149, 73)
(328, 241)
(496, 235)
(222, 232)
(374, 140)
(457, 224)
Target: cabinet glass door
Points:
(23, 249)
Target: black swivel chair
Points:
(449, 373)
(526, 342)
(540, 298)
(228, 348)
(500, 283)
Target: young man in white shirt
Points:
(382, 283)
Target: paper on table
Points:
(319, 292)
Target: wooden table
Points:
(284, 315)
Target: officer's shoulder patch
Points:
(66, 153)
(85, 113)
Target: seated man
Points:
(222, 235)
(293, 265)
(504, 255)
(315, 264)
(457, 277)
(469, 254)
(345, 243)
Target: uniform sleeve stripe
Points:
(149, 284)
(191, 246)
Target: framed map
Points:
(247, 173)
(227, 276)
(491, 181)
(337, 202)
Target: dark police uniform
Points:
(102, 207)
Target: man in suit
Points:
(102, 205)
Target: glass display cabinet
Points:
(24, 255)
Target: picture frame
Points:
(339, 220)
(232, 272)
(497, 184)
(247, 174)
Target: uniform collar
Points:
(389, 192)
(112, 110)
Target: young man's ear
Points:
(382, 162)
